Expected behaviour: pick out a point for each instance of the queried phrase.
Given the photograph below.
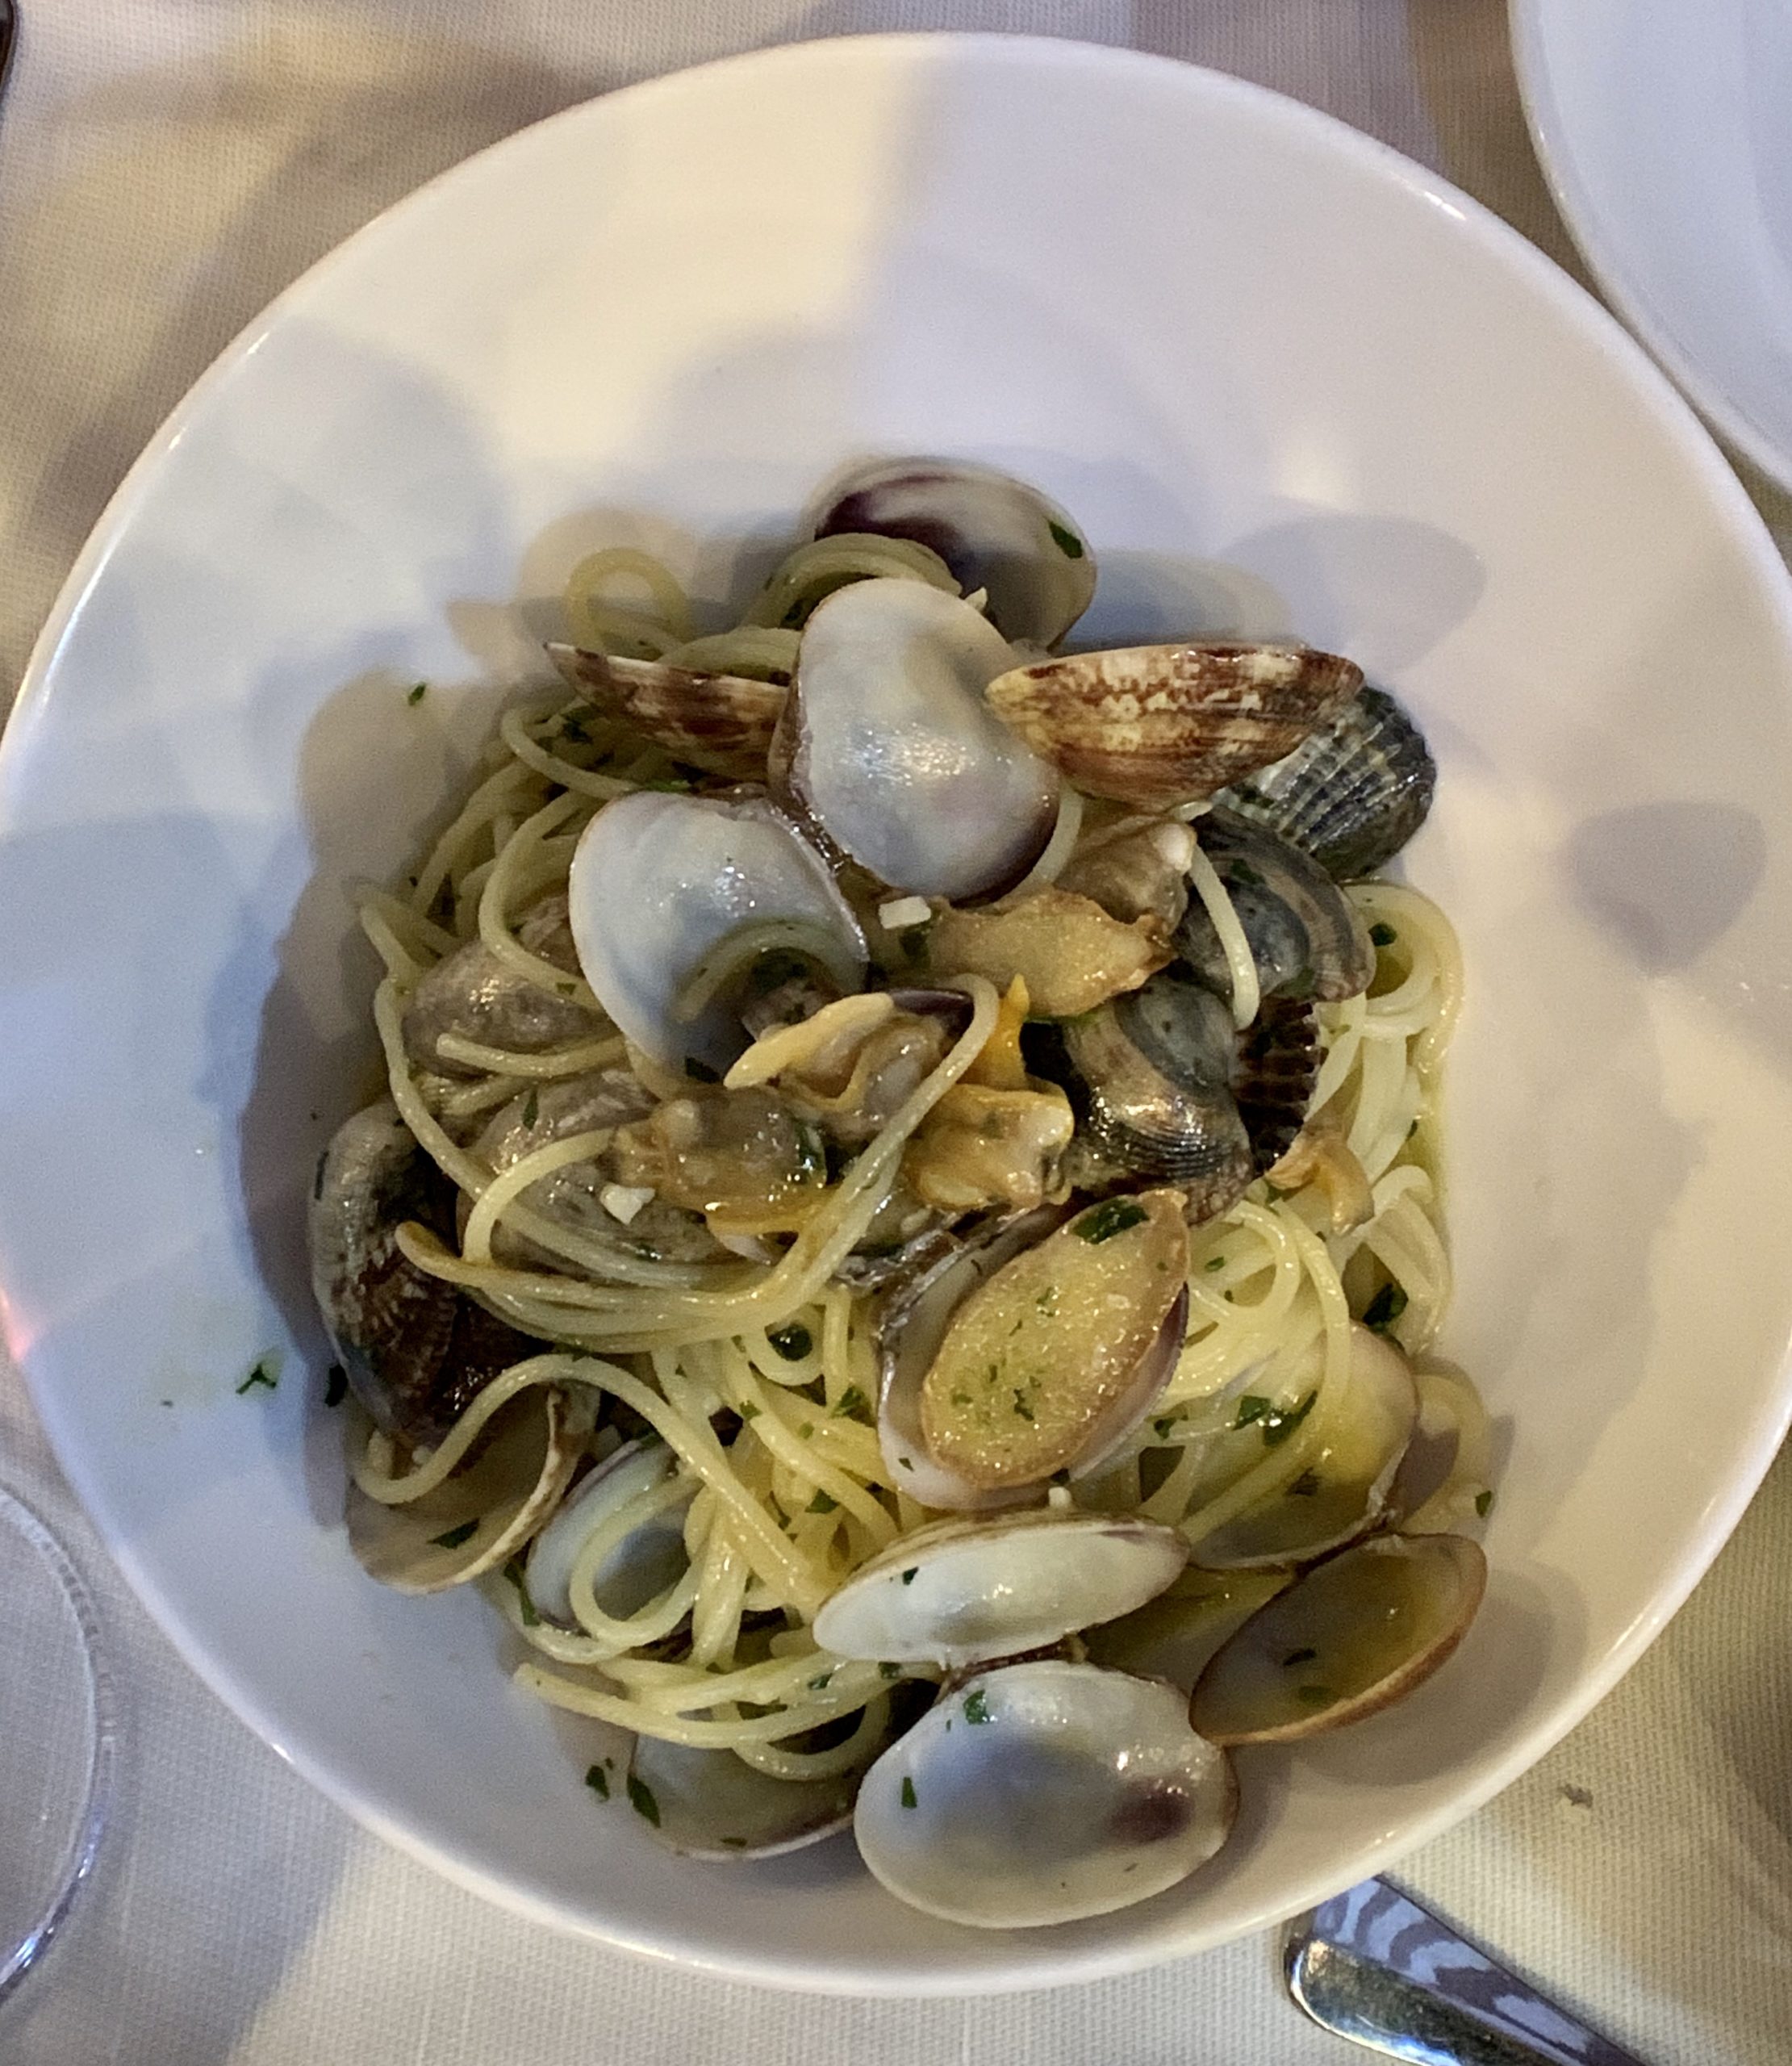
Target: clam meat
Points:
(1305, 935)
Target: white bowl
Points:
(1662, 128)
(1284, 379)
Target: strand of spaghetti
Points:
(466, 1101)
(1284, 1463)
(474, 817)
(586, 609)
(494, 929)
(721, 1596)
(402, 966)
(813, 571)
(760, 652)
(553, 1062)
(1240, 961)
(404, 918)
(796, 1765)
(795, 1720)
(786, 1447)
(508, 1185)
(658, 1617)
(513, 728)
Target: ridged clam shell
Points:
(721, 723)
(1154, 726)
(1352, 794)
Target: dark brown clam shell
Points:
(721, 723)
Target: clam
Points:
(995, 533)
(472, 995)
(1346, 1487)
(1054, 1361)
(710, 1804)
(960, 1592)
(646, 1562)
(1354, 791)
(1154, 726)
(1071, 953)
(1355, 1634)
(1139, 871)
(682, 906)
(1165, 1087)
(1305, 935)
(1173, 1636)
(887, 750)
(1043, 1792)
(481, 1514)
(416, 1350)
(721, 723)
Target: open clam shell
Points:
(416, 1350)
(1354, 791)
(1051, 1363)
(887, 749)
(1175, 1635)
(660, 882)
(1346, 1488)
(721, 723)
(483, 1513)
(1165, 1087)
(648, 1561)
(1306, 937)
(1043, 1792)
(995, 533)
(961, 1591)
(1154, 726)
(1355, 1634)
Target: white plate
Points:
(1283, 377)
(1665, 129)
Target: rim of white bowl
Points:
(1572, 195)
(1653, 392)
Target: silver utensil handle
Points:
(1375, 1967)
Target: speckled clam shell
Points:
(1352, 794)
(1155, 726)
(721, 723)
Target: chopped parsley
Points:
(821, 1685)
(805, 1431)
(854, 1403)
(908, 1791)
(513, 1570)
(532, 1108)
(640, 1799)
(1484, 1502)
(976, 1706)
(1384, 1308)
(1299, 1656)
(887, 1670)
(1252, 1407)
(735, 1843)
(572, 726)
(1163, 1425)
(1067, 541)
(1277, 1426)
(1383, 935)
(597, 1781)
(266, 1373)
(1022, 1408)
(792, 1342)
(1214, 1263)
(1113, 1216)
(911, 1574)
(1304, 1486)
(335, 1385)
(417, 693)
(748, 1410)
(451, 1538)
(822, 1504)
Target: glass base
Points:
(57, 1737)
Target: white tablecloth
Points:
(165, 166)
